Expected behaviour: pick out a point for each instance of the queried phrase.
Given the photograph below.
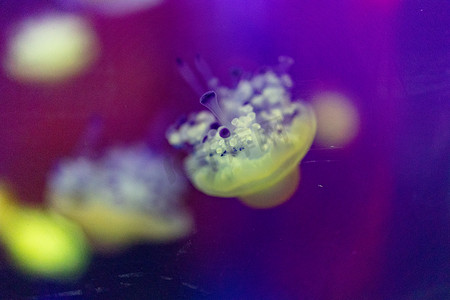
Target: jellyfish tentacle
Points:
(90, 136)
(203, 68)
(236, 75)
(209, 100)
(188, 75)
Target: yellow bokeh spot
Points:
(40, 243)
(50, 48)
(337, 119)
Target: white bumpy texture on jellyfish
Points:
(249, 146)
(122, 198)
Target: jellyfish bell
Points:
(122, 198)
(254, 152)
(261, 170)
(274, 194)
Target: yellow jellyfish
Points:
(41, 243)
(50, 48)
(123, 198)
(251, 144)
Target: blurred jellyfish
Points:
(114, 7)
(41, 243)
(250, 145)
(337, 119)
(50, 48)
(123, 198)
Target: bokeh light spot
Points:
(338, 119)
(50, 48)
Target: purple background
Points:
(378, 228)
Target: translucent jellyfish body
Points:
(123, 198)
(250, 144)
(41, 243)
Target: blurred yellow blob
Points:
(40, 243)
(119, 7)
(50, 48)
(337, 119)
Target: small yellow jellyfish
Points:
(50, 48)
(251, 144)
(123, 198)
(41, 243)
